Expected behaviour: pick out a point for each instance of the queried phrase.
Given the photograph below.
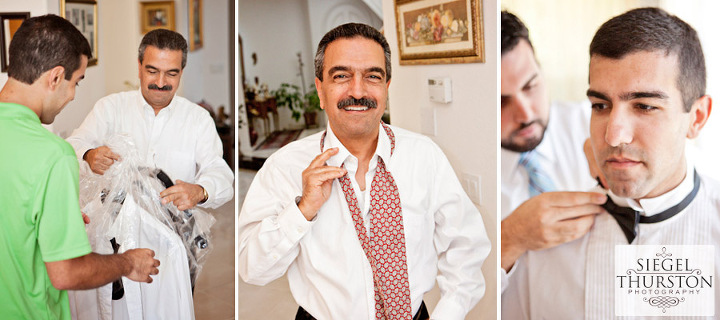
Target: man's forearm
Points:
(87, 272)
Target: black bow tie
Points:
(628, 219)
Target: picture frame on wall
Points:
(10, 22)
(157, 15)
(83, 15)
(195, 23)
(439, 31)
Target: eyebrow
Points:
(345, 68)
(630, 95)
(534, 76)
(154, 68)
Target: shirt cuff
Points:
(293, 223)
(505, 276)
(448, 309)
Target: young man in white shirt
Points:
(169, 131)
(647, 89)
(363, 216)
(543, 167)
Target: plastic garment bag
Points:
(124, 205)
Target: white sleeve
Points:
(94, 129)
(270, 226)
(213, 173)
(461, 242)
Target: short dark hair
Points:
(653, 29)
(351, 30)
(163, 39)
(45, 42)
(512, 30)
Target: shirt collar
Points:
(331, 141)
(18, 111)
(652, 206)
(144, 105)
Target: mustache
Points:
(350, 101)
(624, 151)
(166, 87)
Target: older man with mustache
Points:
(364, 215)
(169, 132)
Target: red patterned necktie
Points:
(385, 246)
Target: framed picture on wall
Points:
(195, 22)
(10, 22)
(83, 15)
(439, 31)
(157, 15)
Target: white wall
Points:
(466, 127)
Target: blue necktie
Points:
(539, 182)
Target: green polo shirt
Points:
(40, 219)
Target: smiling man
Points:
(364, 215)
(647, 89)
(169, 132)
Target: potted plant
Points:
(307, 104)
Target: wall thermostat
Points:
(440, 89)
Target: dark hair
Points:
(512, 30)
(163, 39)
(652, 29)
(45, 42)
(346, 31)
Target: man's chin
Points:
(524, 146)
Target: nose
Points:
(161, 81)
(357, 88)
(522, 109)
(619, 129)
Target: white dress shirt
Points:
(561, 156)
(574, 280)
(328, 272)
(169, 296)
(181, 140)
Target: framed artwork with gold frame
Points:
(439, 31)
(195, 23)
(83, 15)
(157, 15)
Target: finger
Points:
(113, 155)
(566, 213)
(154, 271)
(156, 263)
(575, 228)
(169, 191)
(569, 199)
(171, 198)
(325, 174)
(149, 280)
(106, 161)
(321, 158)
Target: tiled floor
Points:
(274, 300)
(214, 292)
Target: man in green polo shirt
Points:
(44, 249)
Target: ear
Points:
(318, 87)
(55, 76)
(699, 115)
(139, 69)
